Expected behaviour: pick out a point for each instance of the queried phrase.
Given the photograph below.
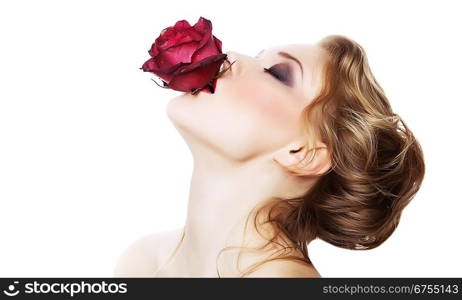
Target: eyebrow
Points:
(287, 55)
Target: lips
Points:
(210, 88)
(224, 65)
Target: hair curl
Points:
(377, 163)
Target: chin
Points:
(190, 114)
(214, 121)
(183, 107)
(186, 109)
(201, 123)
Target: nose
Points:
(240, 62)
(231, 56)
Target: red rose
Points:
(186, 57)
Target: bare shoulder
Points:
(141, 257)
(285, 268)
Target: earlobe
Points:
(302, 161)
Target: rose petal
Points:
(165, 74)
(218, 43)
(196, 75)
(182, 32)
(181, 53)
(186, 57)
(209, 49)
(204, 26)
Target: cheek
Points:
(272, 108)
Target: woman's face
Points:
(252, 112)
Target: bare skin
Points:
(244, 140)
(145, 256)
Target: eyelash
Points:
(275, 74)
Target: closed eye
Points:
(273, 73)
(281, 72)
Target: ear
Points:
(298, 160)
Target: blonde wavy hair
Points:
(377, 163)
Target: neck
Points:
(222, 196)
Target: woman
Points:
(295, 144)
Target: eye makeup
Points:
(282, 72)
(286, 55)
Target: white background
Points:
(89, 161)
